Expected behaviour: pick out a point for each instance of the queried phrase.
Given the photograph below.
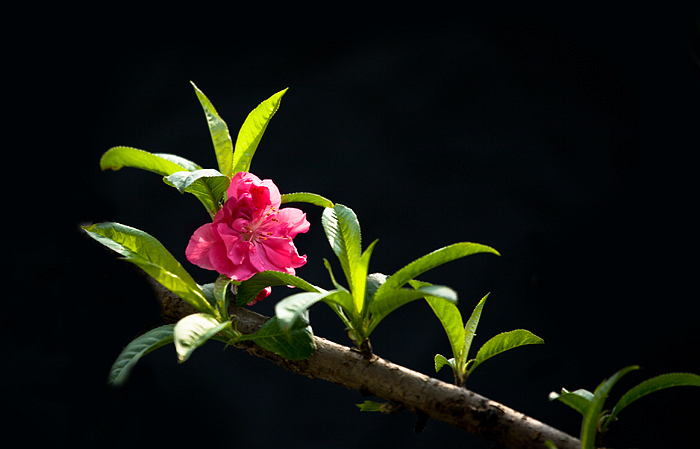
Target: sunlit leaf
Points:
(380, 308)
(503, 342)
(430, 261)
(579, 400)
(223, 146)
(450, 317)
(304, 197)
(149, 254)
(160, 163)
(252, 131)
(343, 232)
(139, 347)
(441, 360)
(652, 385)
(208, 185)
(359, 275)
(179, 160)
(193, 331)
(589, 428)
(469, 333)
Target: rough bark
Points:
(417, 392)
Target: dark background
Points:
(565, 140)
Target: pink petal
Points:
(200, 246)
(279, 254)
(273, 193)
(294, 219)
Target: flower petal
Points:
(294, 219)
(199, 248)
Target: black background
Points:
(564, 140)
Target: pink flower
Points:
(250, 233)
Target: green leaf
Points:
(370, 406)
(150, 255)
(503, 342)
(652, 385)
(304, 197)
(181, 161)
(380, 308)
(430, 261)
(441, 360)
(469, 333)
(139, 347)
(220, 137)
(249, 289)
(161, 163)
(359, 275)
(297, 343)
(222, 293)
(292, 307)
(343, 232)
(591, 419)
(252, 131)
(193, 331)
(449, 316)
(579, 400)
(208, 185)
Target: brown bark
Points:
(378, 377)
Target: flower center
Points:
(253, 233)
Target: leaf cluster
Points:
(596, 420)
(366, 299)
(461, 335)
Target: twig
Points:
(378, 377)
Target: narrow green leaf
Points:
(503, 342)
(252, 131)
(304, 197)
(469, 333)
(430, 261)
(193, 331)
(296, 343)
(149, 254)
(249, 289)
(208, 185)
(441, 360)
(220, 137)
(380, 308)
(359, 276)
(579, 400)
(652, 385)
(343, 232)
(139, 347)
(162, 164)
(589, 428)
(449, 316)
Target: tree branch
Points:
(378, 377)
